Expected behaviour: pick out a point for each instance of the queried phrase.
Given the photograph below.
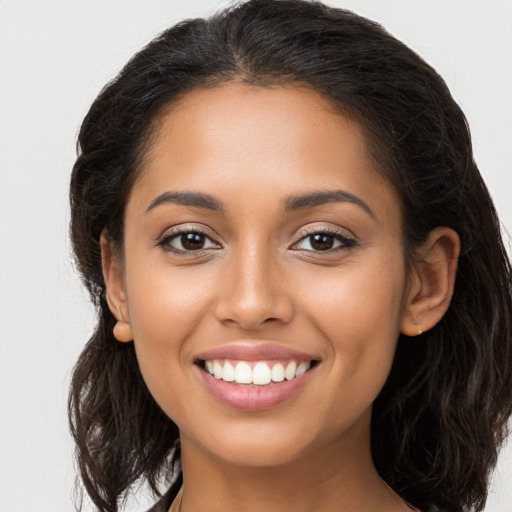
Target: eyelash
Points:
(345, 242)
(165, 242)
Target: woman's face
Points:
(258, 237)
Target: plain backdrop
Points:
(54, 59)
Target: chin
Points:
(255, 445)
(259, 455)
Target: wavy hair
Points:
(439, 421)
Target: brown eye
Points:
(187, 241)
(322, 241)
(192, 241)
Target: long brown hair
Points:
(441, 417)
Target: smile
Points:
(260, 373)
(249, 376)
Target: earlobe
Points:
(123, 332)
(115, 293)
(431, 282)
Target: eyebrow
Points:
(292, 203)
(197, 199)
(323, 197)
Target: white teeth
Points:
(217, 370)
(289, 373)
(261, 374)
(229, 372)
(302, 368)
(278, 372)
(243, 373)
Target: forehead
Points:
(234, 118)
(284, 139)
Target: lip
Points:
(251, 397)
(254, 398)
(249, 351)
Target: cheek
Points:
(166, 306)
(362, 297)
(359, 310)
(164, 300)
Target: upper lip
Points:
(251, 351)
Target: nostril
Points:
(252, 311)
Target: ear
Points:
(431, 282)
(113, 276)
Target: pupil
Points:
(192, 241)
(322, 241)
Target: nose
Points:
(254, 292)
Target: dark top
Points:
(165, 502)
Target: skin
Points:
(259, 278)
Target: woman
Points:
(304, 300)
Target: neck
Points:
(339, 477)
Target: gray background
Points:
(54, 58)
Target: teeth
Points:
(289, 373)
(217, 370)
(261, 374)
(243, 373)
(302, 368)
(278, 372)
(229, 372)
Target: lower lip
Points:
(253, 398)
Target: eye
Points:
(324, 241)
(188, 241)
